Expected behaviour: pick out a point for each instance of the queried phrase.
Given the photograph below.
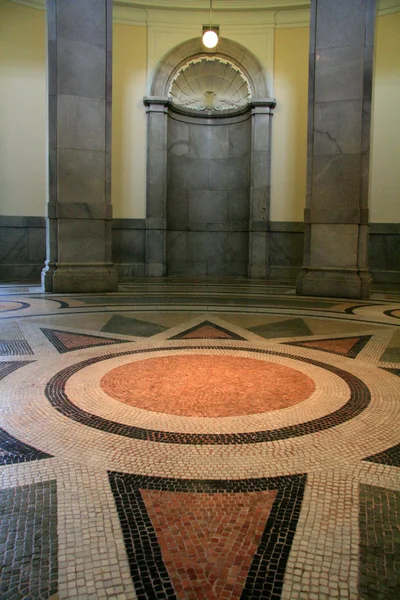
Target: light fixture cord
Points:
(210, 12)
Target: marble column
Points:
(260, 187)
(340, 89)
(156, 199)
(79, 195)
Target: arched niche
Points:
(208, 163)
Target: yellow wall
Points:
(129, 122)
(23, 118)
(385, 147)
(289, 125)
(22, 110)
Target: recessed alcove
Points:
(208, 165)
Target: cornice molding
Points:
(219, 7)
(278, 13)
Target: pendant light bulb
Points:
(210, 39)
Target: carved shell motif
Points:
(210, 83)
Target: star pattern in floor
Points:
(219, 439)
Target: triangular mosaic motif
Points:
(8, 367)
(130, 326)
(210, 554)
(394, 371)
(207, 330)
(391, 355)
(390, 456)
(67, 341)
(287, 328)
(14, 451)
(348, 346)
(208, 539)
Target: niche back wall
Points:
(208, 194)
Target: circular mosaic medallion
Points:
(207, 386)
(358, 400)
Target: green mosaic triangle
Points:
(130, 326)
(391, 355)
(289, 328)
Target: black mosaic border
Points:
(12, 366)
(359, 400)
(350, 310)
(267, 570)
(390, 457)
(352, 353)
(62, 303)
(23, 305)
(389, 313)
(182, 334)
(62, 349)
(14, 451)
(182, 299)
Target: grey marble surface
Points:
(81, 176)
(78, 252)
(22, 248)
(334, 245)
(208, 197)
(74, 55)
(341, 53)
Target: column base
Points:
(334, 283)
(155, 270)
(77, 278)
(257, 271)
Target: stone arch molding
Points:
(184, 53)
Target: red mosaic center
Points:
(207, 386)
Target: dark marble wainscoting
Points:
(22, 247)
(286, 240)
(214, 249)
(129, 247)
(384, 252)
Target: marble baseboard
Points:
(385, 276)
(22, 247)
(280, 273)
(129, 242)
(129, 270)
(384, 250)
(21, 272)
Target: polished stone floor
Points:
(215, 440)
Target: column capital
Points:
(262, 106)
(156, 103)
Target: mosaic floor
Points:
(214, 440)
